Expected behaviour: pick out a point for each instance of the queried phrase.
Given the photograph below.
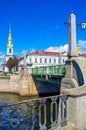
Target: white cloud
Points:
(32, 50)
(61, 48)
(2, 56)
(82, 44)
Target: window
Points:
(10, 50)
(35, 60)
(49, 60)
(54, 60)
(30, 60)
(40, 60)
(45, 60)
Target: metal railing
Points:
(50, 70)
(38, 114)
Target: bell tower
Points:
(10, 48)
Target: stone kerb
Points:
(76, 106)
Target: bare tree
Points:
(11, 63)
(15, 61)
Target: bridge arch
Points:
(78, 75)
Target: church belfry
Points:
(10, 48)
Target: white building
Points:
(43, 58)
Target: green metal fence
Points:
(50, 70)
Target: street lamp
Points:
(83, 25)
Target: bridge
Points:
(49, 73)
(40, 81)
(59, 70)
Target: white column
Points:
(72, 52)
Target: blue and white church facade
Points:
(10, 50)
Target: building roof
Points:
(83, 55)
(53, 53)
(46, 53)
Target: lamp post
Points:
(72, 34)
(83, 25)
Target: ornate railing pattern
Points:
(50, 70)
(38, 114)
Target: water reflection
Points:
(9, 97)
(27, 115)
(17, 115)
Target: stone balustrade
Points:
(38, 114)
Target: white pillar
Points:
(72, 52)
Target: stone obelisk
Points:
(24, 65)
(74, 83)
(72, 52)
(28, 86)
(24, 89)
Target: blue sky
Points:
(39, 24)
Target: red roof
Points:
(52, 53)
(82, 55)
(46, 53)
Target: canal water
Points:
(5, 99)
(10, 98)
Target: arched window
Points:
(10, 50)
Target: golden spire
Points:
(10, 37)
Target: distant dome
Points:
(78, 48)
